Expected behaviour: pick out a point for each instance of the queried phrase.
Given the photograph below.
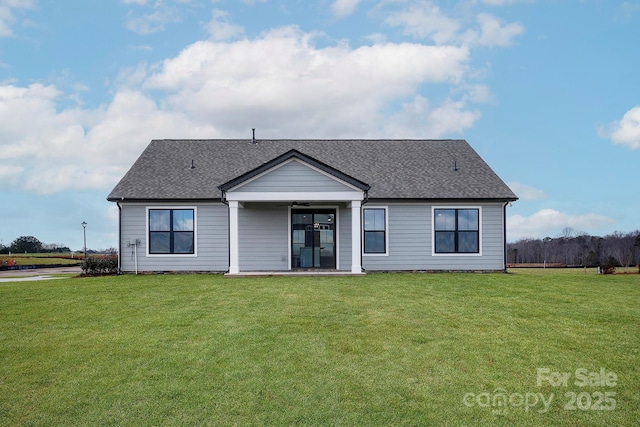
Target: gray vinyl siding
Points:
(211, 234)
(263, 237)
(410, 241)
(294, 176)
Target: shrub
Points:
(608, 269)
(97, 266)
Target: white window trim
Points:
(195, 232)
(386, 230)
(433, 231)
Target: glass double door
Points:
(313, 237)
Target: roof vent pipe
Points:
(253, 141)
(193, 166)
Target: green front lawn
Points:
(384, 349)
(42, 259)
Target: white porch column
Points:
(234, 252)
(356, 263)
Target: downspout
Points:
(119, 235)
(504, 232)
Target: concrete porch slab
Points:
(294, 273)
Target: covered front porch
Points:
(294, 214)
(294, 238)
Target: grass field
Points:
(42, 259)
(384, 349)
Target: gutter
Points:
(119, 235)
(504, 232)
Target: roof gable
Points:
(330, 174)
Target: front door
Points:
(313, 237)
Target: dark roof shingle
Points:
(407, 169)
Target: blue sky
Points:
(546, 91)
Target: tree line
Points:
(578, 249)
(31, 245)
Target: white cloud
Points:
(417, 119)
(425, 20)
(112, 214)
(59, 149)
(157, 15)
(149, 23)
(9, 174)
(221, 28)
(525, 192)
(282, 83)
(7, 14)
(279, 83)
(492, 32)
(500, 2)
(626, 131)
(629, 9)
(344, 8)
(550, 222)
(477, 93)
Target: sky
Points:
(546, 91)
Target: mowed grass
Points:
(42, 259)
(384, 349)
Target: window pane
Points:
(445, 242)
(468, 219)
(468, 241)
(183, 242)
(374, 242)
(159, 220)
(305, 218)
(159, 242)
(445, 219)
(374, 220)
(183, 220)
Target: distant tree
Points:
(26, 244)
(578, 248)
(568, 233)
(55, 248)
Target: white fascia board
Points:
(283, 196)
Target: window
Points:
(171, 231)
(456, 231)
(375, 231)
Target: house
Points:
(242, 206)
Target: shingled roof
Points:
(394, 169)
